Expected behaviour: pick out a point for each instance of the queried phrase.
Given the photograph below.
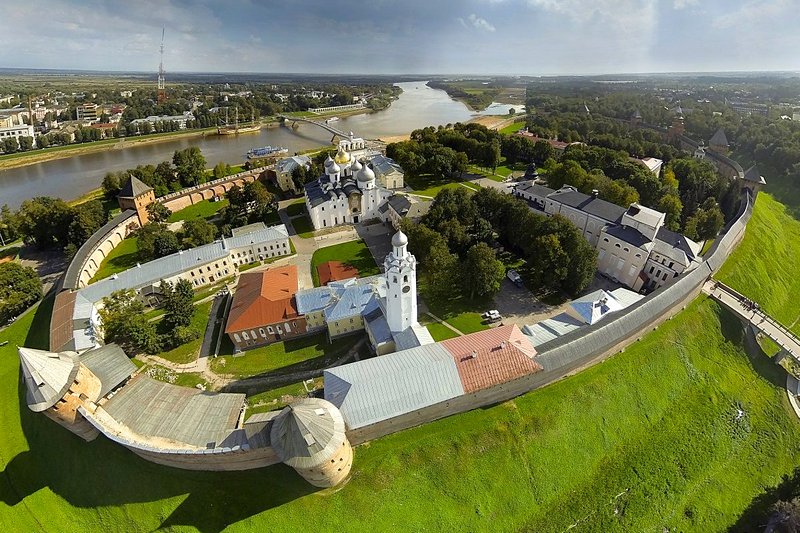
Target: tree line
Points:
(456, 242)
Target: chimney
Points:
(595, 193)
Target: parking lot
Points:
(519, 306)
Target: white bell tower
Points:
(401, 285)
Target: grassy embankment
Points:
(648, 440)
(353, 253)
(19, 159)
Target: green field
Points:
(277, 398)
(765, 267)
(121, 258)
(512, 128)
(429, 185)
(205, 209)
(353, 253)
(647, 441)
(296, 208)
(186, 353)
(309, 352)
(440, 332)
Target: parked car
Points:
(492, 316)
(514, 276)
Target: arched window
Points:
(405, 279)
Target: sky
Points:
(521, 37)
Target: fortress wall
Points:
(585, 346)
(191, 195)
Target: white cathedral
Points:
(347, 193)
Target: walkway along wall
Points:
(585, 346)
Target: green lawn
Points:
(765, 267)
(512, 128)
(186, 353)
(205, 209)
(296, 208)
(313, 350)
(121, 258)
(303, 227)
(430, 185)
(461, 313)
(440, 332)
(647, 441)
(278, 398)
(354, 253)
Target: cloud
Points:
(683, 4)
(476, 22)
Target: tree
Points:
(221, 170)
(441, 270)
(481, 271)
(25, 143)
(10, 145)
(112, 185)
(549, 263)
(670, 204)
(178, 303)
(20, 287)
(164, 244)
(706, 222)
(190, 166)
(158, 212)
(149, 234)
(785, 517)
(87, 218)
(45, 221)
(196, 232)
(9, 224)
(125, 323)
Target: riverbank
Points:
(17, 160)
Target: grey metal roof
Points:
(383, 387)
(314, 299)
(349, 302)
(629, 235)
(594, 206)
(290, 163)
(134, 188)
(375, 321)
(110, 364)
(252, 236)
(668, 242)
(412, 337)
(400, 203)
(47, 376)
(534, 188)
(753, 174)
(549, 329)
(719, 138)
(73, 276)
(384, 165)
(307, 433)
(181, 414)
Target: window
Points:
(671, 264)
(665, 276)
(236, 337)
(639, 255)
(287, 328)
(617, 245)
(658, 273)
(652, 268)
(605, 239)
(245, 336)
(216, 265)
(262, 332)
(626, 249)
(405, 279)
(253, 333)
(208, 269)
(269, 329)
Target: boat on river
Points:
(266, 151)
(236, 129)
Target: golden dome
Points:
(342, 157)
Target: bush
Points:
(20, 287)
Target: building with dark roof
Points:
(589, 213)
(137, 196)
(719, 142)
(264, 308)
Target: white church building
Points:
(347, 193)
(385, 306)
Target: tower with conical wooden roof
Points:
(137, 196)
(309, 435)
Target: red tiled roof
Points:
(263, 298)
(335, 271)
(61, 320)
(558, 145)
(492, 357)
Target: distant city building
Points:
(18, 131)
(89, 112)
(181, 120)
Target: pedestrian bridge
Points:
(322, 124)
(751, 312)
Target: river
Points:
(418, 106)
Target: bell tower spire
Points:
(401, 285)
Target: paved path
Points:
(755, 316)
(208, 338)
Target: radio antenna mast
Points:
(162, 94)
